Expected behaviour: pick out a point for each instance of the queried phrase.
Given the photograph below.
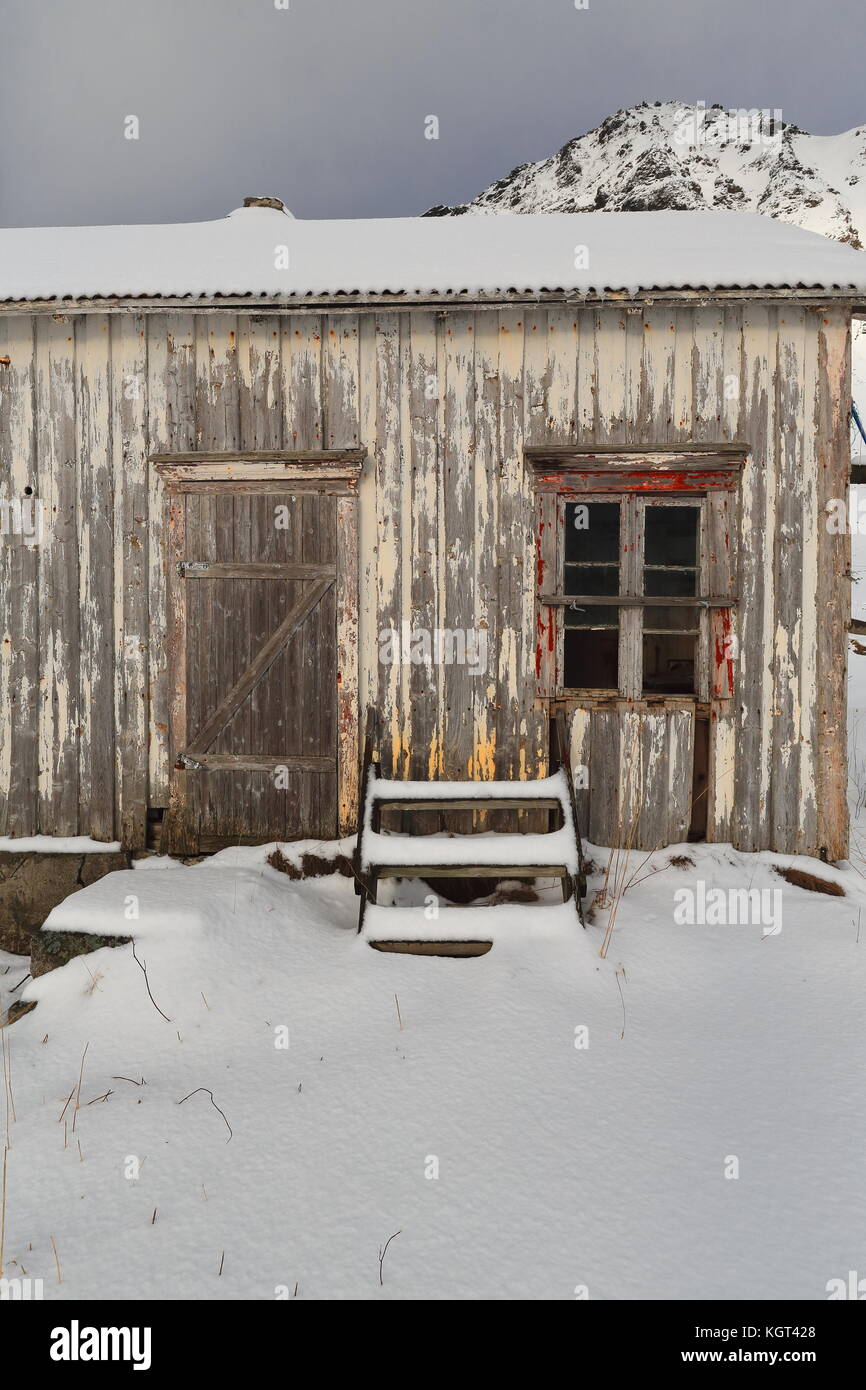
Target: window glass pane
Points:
(671, 535)
(662, 619)
(591, 658)
(591, 579)
(668, 664)
(592, 532)
(670, 583)
(592, 615)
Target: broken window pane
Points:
(668, 664)
(591, 657)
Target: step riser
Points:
(467, 804)
(494, 871)
(454, 949)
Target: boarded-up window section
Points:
(592, 568)
(671, 570)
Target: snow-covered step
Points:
(543, 794)
(511, 856)
(463, 930)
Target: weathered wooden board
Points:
(95, 566)
(59, 607)
(20, 691)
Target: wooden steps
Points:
(555, 854)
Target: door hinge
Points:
(192, 567)
(185, 763)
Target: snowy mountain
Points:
(667, 155)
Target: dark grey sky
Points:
(324, 103)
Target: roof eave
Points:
(338, 301)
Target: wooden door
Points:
(255, 672)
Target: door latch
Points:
(185, 763)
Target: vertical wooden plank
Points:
(261, 427)
(631, 774)
(171, 427)
(604, 767)
(831, 406)
(682, 396)
(788, 579)
(536, 377)
(755, 584)
(721, 771)
(680, 763)
(230, 796)
(301, 385)
(562, 351)
(633, 371)
(806, 833)
(340, 394)
(368, 625)
(611, 335)
(586, 410)
(653, 821)
(425, 673)
(708, 373)
(658, 366)
(129, 468)
(580, 747)
(533, 739)
(341, 402)
(59, 632)
(521, 726)
(220, 799)
(347, 664)
(178, 837)
(20, 697)
(96, 577)
(389, 538)
(459, 446)
(303, 394)
(485, 638)
(159, 441)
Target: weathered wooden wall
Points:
(446, 402)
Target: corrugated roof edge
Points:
(350, 298)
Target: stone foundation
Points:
(31, 884)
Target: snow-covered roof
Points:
(265, 253)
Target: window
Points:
(671, 567)
(617, 554)
(592, 567)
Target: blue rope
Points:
(855, 414)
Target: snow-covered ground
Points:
(560, 1165)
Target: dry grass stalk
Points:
(383, 1250)
(3, 1212)
(77, 1106)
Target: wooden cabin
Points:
(260, 475)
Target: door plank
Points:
(231, 569)
(259, 665)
